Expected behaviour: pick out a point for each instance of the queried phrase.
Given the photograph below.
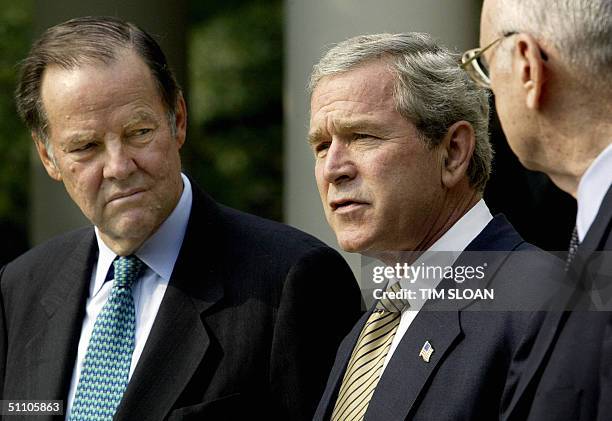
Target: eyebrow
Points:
(82, 137)
(347, 126)
(315, 137)
(139, 117)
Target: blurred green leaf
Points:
(235, 75)
(15, 32)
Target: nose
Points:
(339, 166)
(119, 163)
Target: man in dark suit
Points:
(549, 64)
(400, 136)
(171, 306)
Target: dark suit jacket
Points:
(466, 375)
(568, 372)
(244, 326)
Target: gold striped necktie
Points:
(364, 367)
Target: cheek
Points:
(321, 183)
(413, 186)
(503, 109)
(83, 186)
(78, 176)
(169, 156)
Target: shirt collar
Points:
(591, 190)
(465, 229)
(450, 245)
(160, 251)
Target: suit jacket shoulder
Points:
(47, 258)
(43, 294)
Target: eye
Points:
(320, 148)
(140, 132)
(84, 147)
(358, 136)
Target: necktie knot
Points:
(392, 300)
(127, 270)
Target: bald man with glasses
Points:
(549, 64)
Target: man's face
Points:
(379, 183)
(516, 120)
(111, 145)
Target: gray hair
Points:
(431, 91)
(581, 30)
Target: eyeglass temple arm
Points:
(481, 51)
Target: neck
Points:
(457, 205)
(579, 153)
(122, 246)
(579, 130)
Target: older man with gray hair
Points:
(549, 63)
(400, 137)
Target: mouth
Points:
(125, 195)
(346, 205)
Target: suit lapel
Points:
(407, 373)
(179, 340)
(52, 352)
(328, 400)
(537, 355)
(175, 348)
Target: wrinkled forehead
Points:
(96, 91)
(372, 84)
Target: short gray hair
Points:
(431, 90)
(581, 30)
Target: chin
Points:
(133, 228)
(353, 245)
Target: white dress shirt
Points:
(455, 240)
(591, 190)
(159, 254)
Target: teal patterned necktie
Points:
(106, 367)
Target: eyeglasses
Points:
(471, 62)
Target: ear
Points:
(530, 66)
(45, 157)
(457, 149)
(181, 120)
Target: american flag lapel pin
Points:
(426, 351)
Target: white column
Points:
(311, 27)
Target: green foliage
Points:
(15, 27)
(234, 145)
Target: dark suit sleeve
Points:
(320, 303)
